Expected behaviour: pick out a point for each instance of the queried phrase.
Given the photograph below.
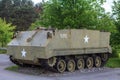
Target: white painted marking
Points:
(86, 38)
(23, 53)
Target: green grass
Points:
(3, 51)
(113, 63)
(12, 68)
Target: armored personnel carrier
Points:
(67, 49)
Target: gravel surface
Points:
(45, 72)
(35, 73)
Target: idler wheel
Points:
(104, 57)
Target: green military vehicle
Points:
(67, 49)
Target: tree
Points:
(115, 38)
(6, 32)
(18, 12)
(116, 15)
(75, 14)
(39, 10)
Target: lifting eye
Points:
(49, 35)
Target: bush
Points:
(115, 53)
(113, 63)
(6, 32)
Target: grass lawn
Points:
(113, 63)
(3, 51)
(12, 68)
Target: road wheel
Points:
(61, 65)
(51, 61)
(80, 63)
(97, 61)
(89, 62)
(104, 57)
(71, 65)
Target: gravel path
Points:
(42, 74)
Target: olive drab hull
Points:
(43, 44)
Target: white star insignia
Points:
(86, 38)
(23, 53)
